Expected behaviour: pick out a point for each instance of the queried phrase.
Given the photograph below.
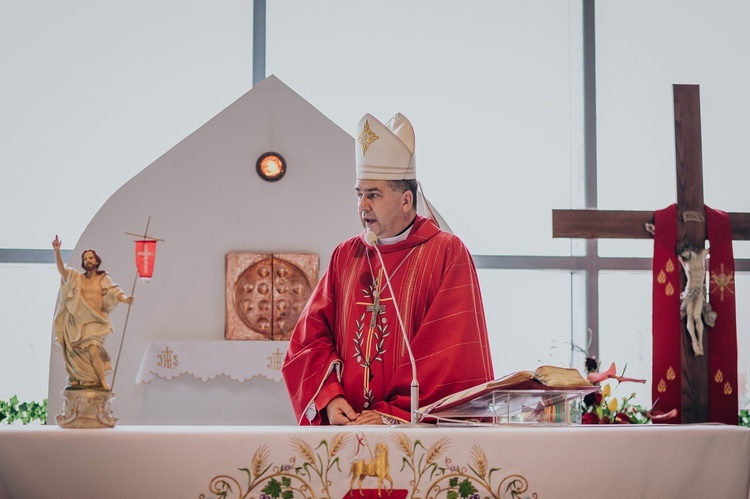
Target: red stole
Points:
(722, 338)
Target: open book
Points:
(544, 378)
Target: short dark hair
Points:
(403, 186)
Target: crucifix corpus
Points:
(696, 377)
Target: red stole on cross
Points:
(722, 338)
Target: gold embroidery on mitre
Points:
(662, 386)
(721, 282)
(670, 265)
(671, 374)
(727, 388)
(719, 376)
(662, 277)
(366, 137)
(669, 290)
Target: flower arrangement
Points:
(602, 407)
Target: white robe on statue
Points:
(78, 326)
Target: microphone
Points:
(372, 240)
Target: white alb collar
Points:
(396, 239)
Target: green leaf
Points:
(272, 488)
(466, 488)
(26, 412)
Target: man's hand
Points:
(368, 417)
(340, 412)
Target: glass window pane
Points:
(625, 337)
(678, 42)
(28, 295)
(492, 89)
(523, 338)
(743, 338)
(625, 330)
(96, 91)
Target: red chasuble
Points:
(348, 340)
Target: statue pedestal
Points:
(86, 409)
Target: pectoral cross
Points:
(376, 308)
(595, 224)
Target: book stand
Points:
(547, 407)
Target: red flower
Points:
(659, 416)
(595, 378)
(590, 418)
(621, 418)
(610, 373)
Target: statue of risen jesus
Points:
(82, 319)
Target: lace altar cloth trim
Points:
(238, 360)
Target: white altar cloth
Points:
(238, 360)
(612, 461)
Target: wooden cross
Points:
(594, 224)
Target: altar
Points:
(686, 461)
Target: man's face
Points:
(382, 210)
(89, 261)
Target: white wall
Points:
(205, 200)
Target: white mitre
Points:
(386, 152)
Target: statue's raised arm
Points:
(58, 257)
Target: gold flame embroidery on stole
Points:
(662, 386)
(670, 266)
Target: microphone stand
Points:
(372, 240)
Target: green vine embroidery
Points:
(278, 483)
(287, 480)
(453, 481)
(430, 468)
